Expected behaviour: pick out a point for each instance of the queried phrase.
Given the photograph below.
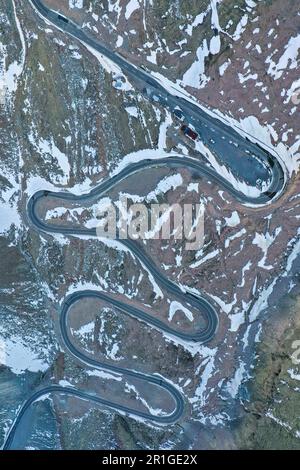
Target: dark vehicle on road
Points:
(189, 132)
(62, 18)
(179, 114)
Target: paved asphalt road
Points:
(222, 140)
(44, 392)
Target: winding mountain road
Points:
(248, 162)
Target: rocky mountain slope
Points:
(65, 125)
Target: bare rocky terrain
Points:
(64, 125)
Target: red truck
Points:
(189, 132)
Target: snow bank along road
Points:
(260, 165)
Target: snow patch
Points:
(131, 6)
(178, 307)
